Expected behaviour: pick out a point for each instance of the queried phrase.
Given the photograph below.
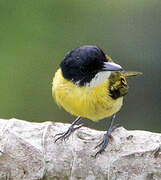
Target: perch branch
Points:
(28, 152)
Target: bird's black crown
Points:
(82, 64)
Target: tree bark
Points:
(28, 152)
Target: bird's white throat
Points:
(99, 79)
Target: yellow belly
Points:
(92, 103)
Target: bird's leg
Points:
(106, 137)
(71, 129)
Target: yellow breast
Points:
(92, 103)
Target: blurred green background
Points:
(35, 35)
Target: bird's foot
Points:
(67, 133)
(105, 140)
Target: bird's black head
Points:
(82, 64)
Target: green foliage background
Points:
(35, 35)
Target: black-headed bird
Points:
(90, 85)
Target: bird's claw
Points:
(103, 144)
(114, 127)
(99, 144)
(65, 135)
(77, 127)
(105, 140)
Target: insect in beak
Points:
(130, 73)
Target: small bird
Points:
(90, 85)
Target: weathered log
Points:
(28, 152)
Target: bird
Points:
(88, 84)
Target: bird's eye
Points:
(77, 58)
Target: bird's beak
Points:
(111, 66)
